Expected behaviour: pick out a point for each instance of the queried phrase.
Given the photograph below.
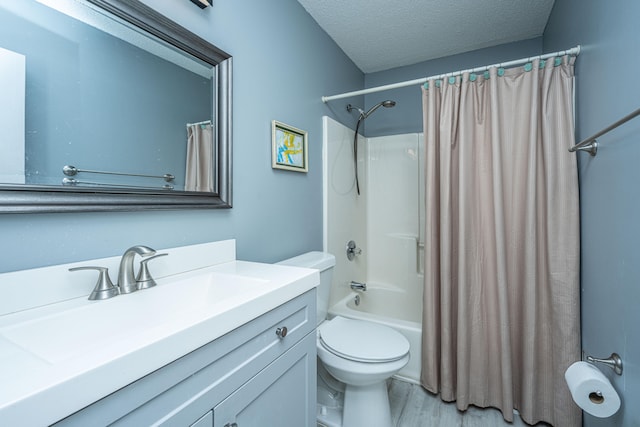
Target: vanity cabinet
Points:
(255, 375)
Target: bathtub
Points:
(392, 307)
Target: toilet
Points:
(360, 355)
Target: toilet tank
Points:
(324, 262)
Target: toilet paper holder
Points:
(614, 362)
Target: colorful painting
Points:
(289, 147)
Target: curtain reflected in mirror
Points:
(199, 175)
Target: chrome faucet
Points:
(126, 277)
(357, 286)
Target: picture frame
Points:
(203, 3)
(289, 148)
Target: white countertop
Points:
(52, 365)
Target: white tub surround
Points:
(60, 352)
(385, 222)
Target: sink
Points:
(131, 320)
(60, 352)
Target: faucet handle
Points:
(352, 250)
(144, 279)
(104, 288)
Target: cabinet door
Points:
(205, 421)
(283, 394)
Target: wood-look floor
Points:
(412, 406)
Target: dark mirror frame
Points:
(41, 199)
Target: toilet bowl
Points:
(360, 354)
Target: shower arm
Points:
(353, 107)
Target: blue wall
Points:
(406, 116)
(283, 64)
(607, 88)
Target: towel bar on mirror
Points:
(73, 171)
(74, 182)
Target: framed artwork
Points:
(288, 148)
(203, 3)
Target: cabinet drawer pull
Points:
(231, 425)
(281, 332)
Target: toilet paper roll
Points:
(591, 390)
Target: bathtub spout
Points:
(357, 286)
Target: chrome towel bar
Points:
(590, 145)
(74, 182)
(73, 171)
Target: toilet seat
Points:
(362, 341)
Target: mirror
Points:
(108, 105)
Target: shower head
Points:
(387, 104)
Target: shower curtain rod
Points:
(573, 51)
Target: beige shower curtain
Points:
(501, 298)
(199, 168)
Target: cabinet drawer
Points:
(181, 392)
(283, 394)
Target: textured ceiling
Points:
(382, 34)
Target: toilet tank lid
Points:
(316, 259)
